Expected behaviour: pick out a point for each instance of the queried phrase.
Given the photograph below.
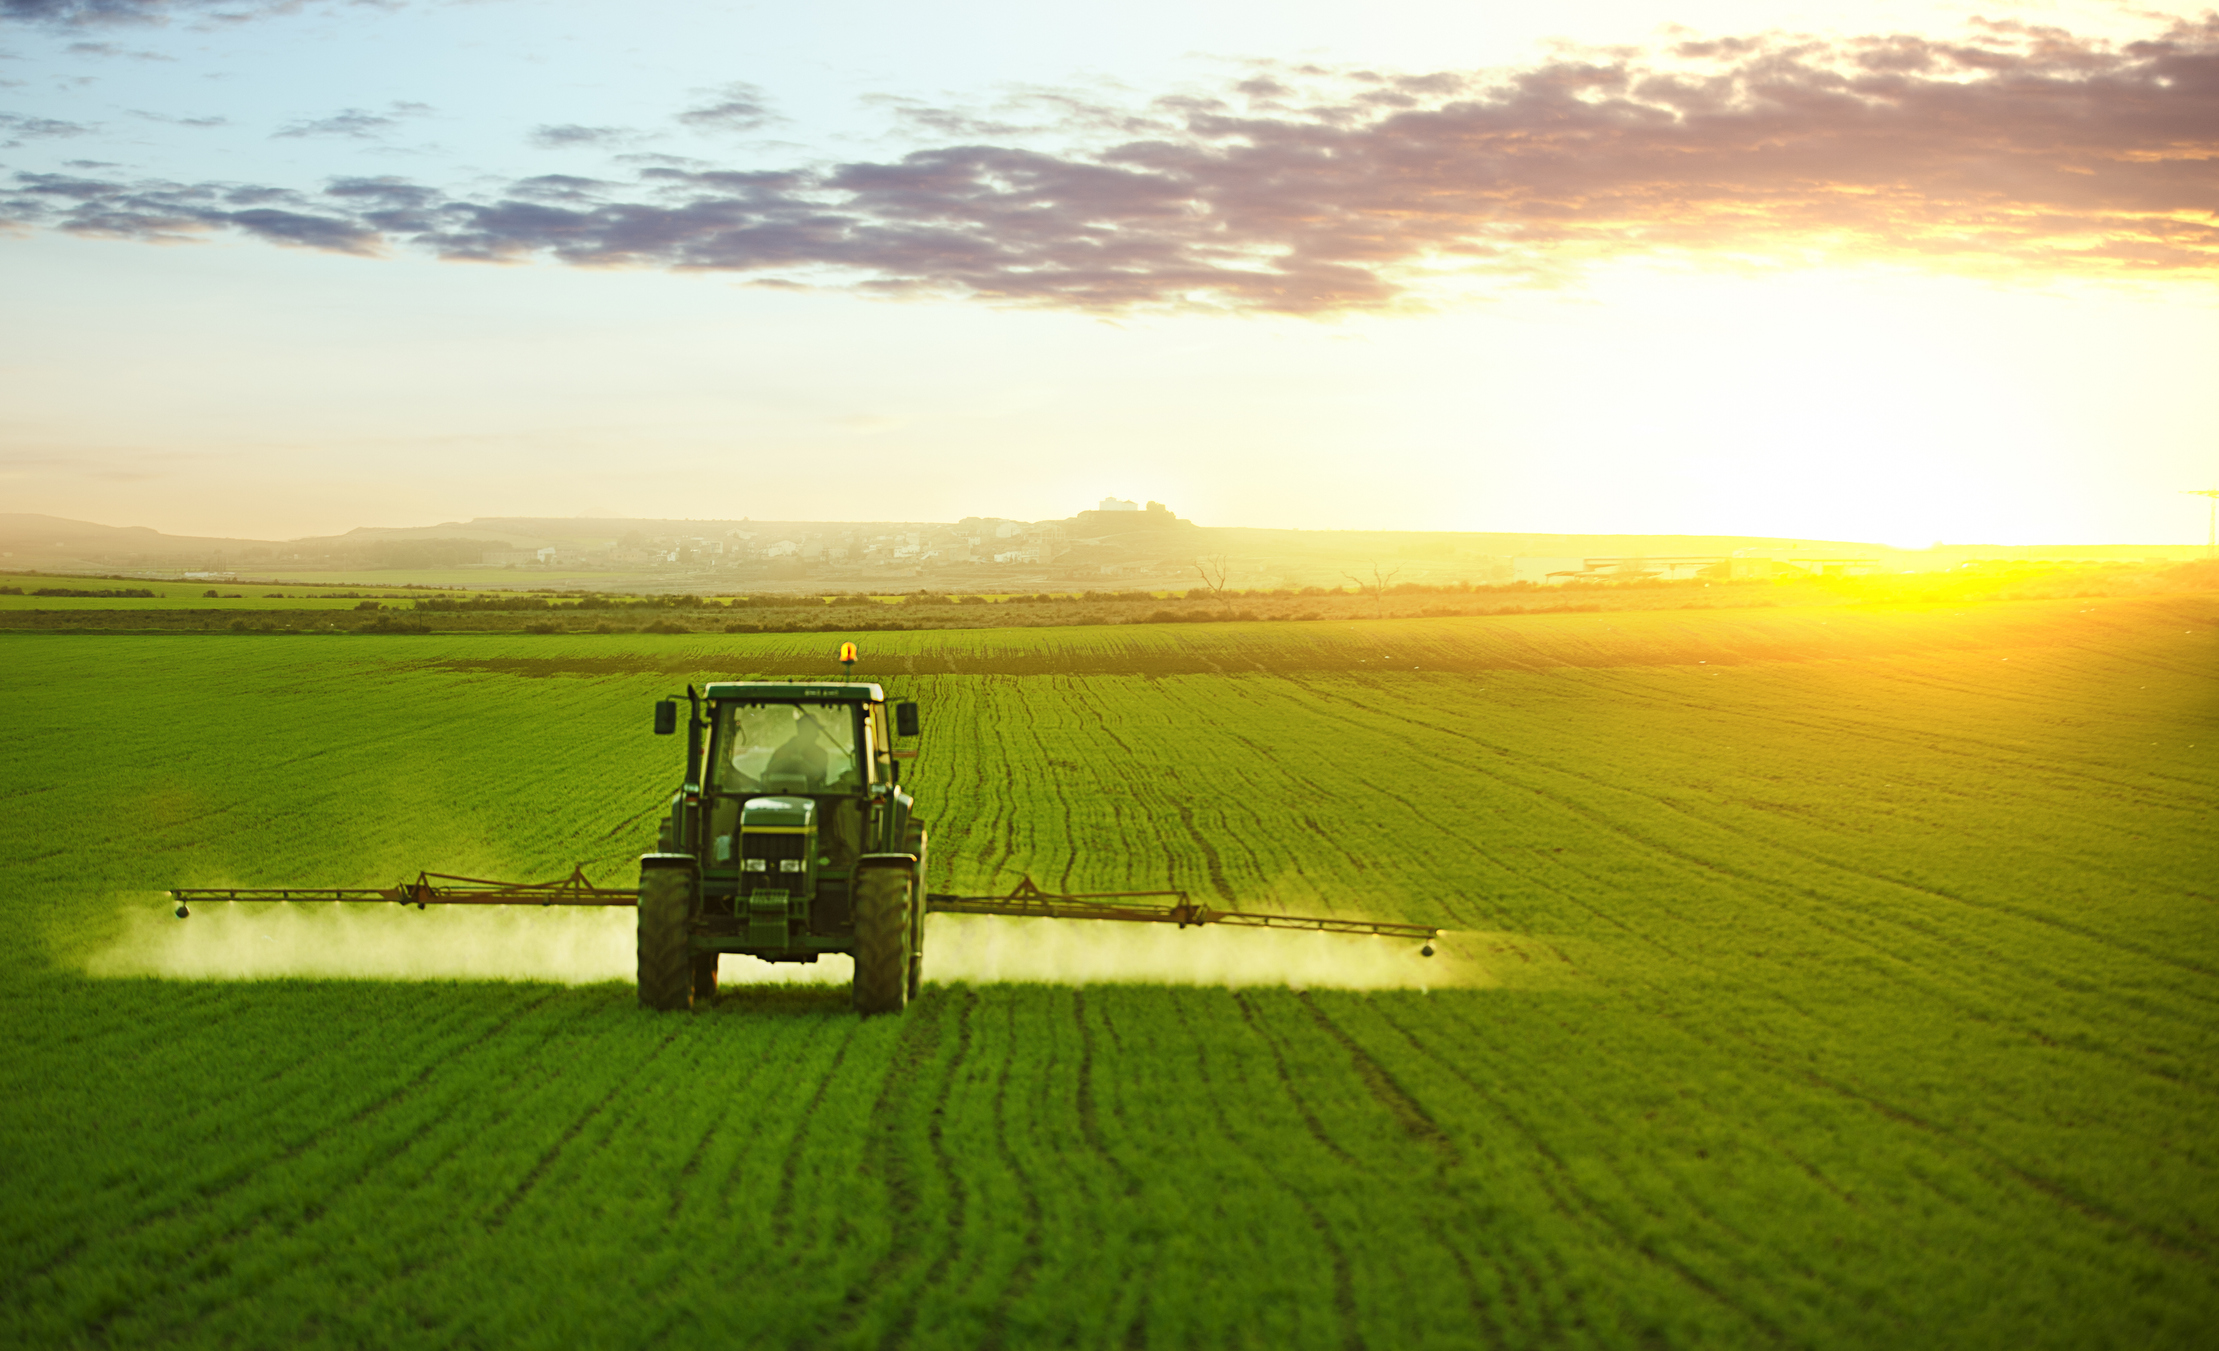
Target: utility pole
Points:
(2211, 534)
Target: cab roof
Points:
(769, 691)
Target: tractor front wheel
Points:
(704, 977)
(665, 915)
(882, 941)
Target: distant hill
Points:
(1142, 548)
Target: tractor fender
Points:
(906, 861)
(663, 862)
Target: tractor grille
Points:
(773, 859)
(773, 869)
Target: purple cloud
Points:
(2021, 148)
(17, 129)
(87, 13)
(738, 107)
(570, 136)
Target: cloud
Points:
(16, 129)
(111, 49)
(570, 135)
(88, 13)
(210, 121)
(354, 123)
(162, 212)
(738, 107)
(2019, 150)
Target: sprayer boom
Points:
(1029, 900)
(1024, 901)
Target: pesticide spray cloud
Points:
(584, 946)
(230, 941)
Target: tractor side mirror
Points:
(905, 718)
(666, 717)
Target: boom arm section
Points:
(429, 889)
(1029, 900)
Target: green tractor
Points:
(790, 838)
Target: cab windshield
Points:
(787, 748)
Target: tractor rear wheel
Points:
(704, 977)
(665, 915)
(882, 941)
(913, 842)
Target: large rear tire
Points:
(882, 941)
(665, 916)
(913, 842)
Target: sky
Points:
(1893, 272)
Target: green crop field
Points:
(1820, 978)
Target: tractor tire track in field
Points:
(1920, 739)
(1210, 860)
(383, 1156)
(1344, 1276)
(508, 1203)
(206, 1198)
(1408, 1112)
(1761, 1270)
(957, 1215)
(1577, 1205)
(1090, 1125)
(1756, 887)
(1420, 1127)
(1286, 1085)
(1786, 846)
(1020, 1279)
(132, 1188)
(1746, 1048)
(755, 1067)
(782, 1205)
(1992, 1006)
(1403, 1108)
(917, 1046)
(208, 1252)
(2150, 1234)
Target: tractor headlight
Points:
(791, 865)
(754, 865)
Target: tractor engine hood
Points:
(778, 867)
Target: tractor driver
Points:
(804, 753)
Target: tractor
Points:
(791, 837)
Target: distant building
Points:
(1119, 504)
(1546, 571)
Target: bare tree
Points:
(1213, 571)
(1376, 588)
